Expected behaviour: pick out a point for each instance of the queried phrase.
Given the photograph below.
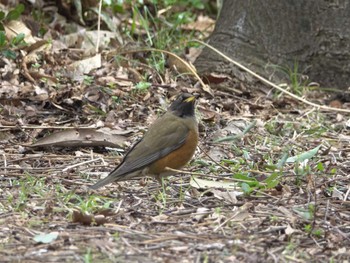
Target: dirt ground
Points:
(269, 181)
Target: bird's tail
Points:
(109, 179)
(116, 176)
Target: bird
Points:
(170, 142)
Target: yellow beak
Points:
(190, 99)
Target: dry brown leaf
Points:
(215, 78)
(15, 27)
(79, 68)
(203, 23)
(193, 54)
(289, 230)
(230, 196)
(174, 62)
(81, 138)
(85, 218)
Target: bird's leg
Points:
(164, 184)
(161, 181)
(158, 178)
(163, 191)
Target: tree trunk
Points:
(311, 37)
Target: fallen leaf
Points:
(289, 230)
(86, 218)
(46, 238)
(15, 27)
(205, 184)
(205, 24)
(81, 67)
(81, 138)
(201, 213)
(230, 196)
(304, 156)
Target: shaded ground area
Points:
(276, 190)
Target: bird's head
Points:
(184, 105)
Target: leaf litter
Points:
(274, 191)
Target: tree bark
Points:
(308, 36)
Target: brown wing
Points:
(159, 141)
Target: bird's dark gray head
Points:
(184, 105)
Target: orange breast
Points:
(177, 158)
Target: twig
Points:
(17, 127)
(347, 193)
(211, 176)
(118, 207)
(5, 163)
(98, 26)
(327, 209)
(82, 163)
(243, 208)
